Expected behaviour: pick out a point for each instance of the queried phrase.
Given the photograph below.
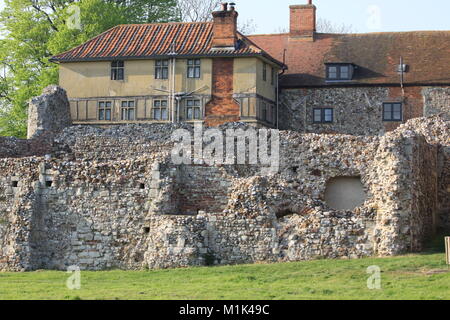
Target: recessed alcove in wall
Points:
(284, 212)
(345, 193)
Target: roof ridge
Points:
(119, 41)
(388, 32)
(354, 34)
(268, 34)
(163, 23)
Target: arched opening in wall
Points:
(284, 213)
(345, 193)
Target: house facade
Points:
(171, 72)
(362, 84)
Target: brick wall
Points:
(302, 20)
(225, 29)
(412, 104)
(222, 108)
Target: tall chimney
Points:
(303, 21)
(225, 28)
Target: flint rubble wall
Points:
(112, 198)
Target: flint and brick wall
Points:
(437, 101)
(104, 199)
(358, 110)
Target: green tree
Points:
(32, 31)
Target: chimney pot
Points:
(225, 28)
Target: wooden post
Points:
(447, 249)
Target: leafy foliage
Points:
(32, 31)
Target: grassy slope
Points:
(408, 277)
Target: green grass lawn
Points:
(423, 276)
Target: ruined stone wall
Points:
(407, 206)
(18, 207)
(49, 112)
(358, 110)
(11, 147)
(436, 131)
(112, 198)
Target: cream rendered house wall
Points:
(248, 77)
(92, 79)
(87, 83)
(254, 93)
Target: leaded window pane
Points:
(328, 115)
(317, 115)
(332, 72)
(164, 114)
(344, 72)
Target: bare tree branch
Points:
(247, 27)
(35, 5)
(325, 26)
(197, 10)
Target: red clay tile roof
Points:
(377, 55)
(140, 41)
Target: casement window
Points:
(117, 70)
(264, 111)
(264, 71)
(128, 110)
(104, 110)
(392, 111)
(160, 110)
(161, 69)
(337, 72)
(193, 110)
(193, 69)
(323, 115)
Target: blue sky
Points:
(364, 15)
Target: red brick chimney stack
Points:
(225, 28)
(303, 21)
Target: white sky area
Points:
(270, 16)
(362, 15)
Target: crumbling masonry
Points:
(112, 198)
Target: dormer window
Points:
(339, 71)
